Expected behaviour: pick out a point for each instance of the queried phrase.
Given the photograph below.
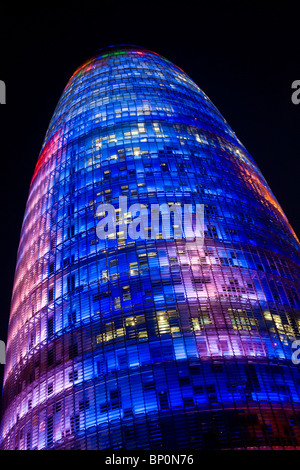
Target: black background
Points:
(244, 55)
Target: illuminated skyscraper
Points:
(151, 343)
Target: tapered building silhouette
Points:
(150, 343)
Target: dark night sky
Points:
(244, 55)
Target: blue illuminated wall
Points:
(154, 343)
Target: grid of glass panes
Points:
(150, 343)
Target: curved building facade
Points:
(153, 342)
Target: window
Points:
(211, 232)
(52, 243)
(72, 317)
(115, 399)
(50, 327)
(50, 357)
(126, 293)
(71, 209)
(75, 424)
(84, 405)
(58, 406)
(49, 437)
(51, 268)
(73, 376)
(71, 282)
(163, 400)
(73, 351)
(28, 440)
(50, 294)
(71, 231)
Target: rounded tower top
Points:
(122, 47)
(119, 50)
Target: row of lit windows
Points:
(153, 393)
(253, 261)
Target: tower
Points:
(154, 342)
